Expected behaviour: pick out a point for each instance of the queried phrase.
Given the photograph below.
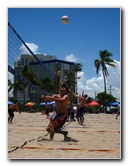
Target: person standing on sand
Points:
(11, 110)
(82, 104)
(47, 110)
(118, 112)
(61, 112)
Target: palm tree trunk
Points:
(104, 92)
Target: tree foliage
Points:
(100, 98)
(102, 63)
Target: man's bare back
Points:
(82, 99)
(82, 102)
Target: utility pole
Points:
(95, 95)
(77, 89)
(110, 89)
(57, 79)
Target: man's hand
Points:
(56, 96)
(42, 97)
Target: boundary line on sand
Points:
(116, 131)
(82, 149)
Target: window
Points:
(26, 61)
(22, 62)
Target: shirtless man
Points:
(11, 109)
(82, 104)
(61, 111)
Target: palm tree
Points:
(46, 84)
(103, 62)
(77, 68)
(15, 87)
(28, 73)
(70, 80)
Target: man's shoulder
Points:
(66, 95)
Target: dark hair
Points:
(65, 87)
(85, 96)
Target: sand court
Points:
(98, 138)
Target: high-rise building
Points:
(46, 65)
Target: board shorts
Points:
(81, 111)
(59, 121)
(10, 112)
(47, 111)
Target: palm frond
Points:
(97, 64)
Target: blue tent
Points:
(49, 103)
(113, 103)
(42, 103)
(10, 103)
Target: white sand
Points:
(98, 138)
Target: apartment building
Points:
(46, 65)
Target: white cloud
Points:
(33, 47)
(23, 50)
(114, 75)
(11, 78)
(71, 58)
(96, 84)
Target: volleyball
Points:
(64, 19)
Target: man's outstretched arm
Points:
(77, 96)
(47, 98)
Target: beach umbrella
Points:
(10, 103)
(49, 103)
(30, 104)
(93, 103)
(114, 103)
(43, 104)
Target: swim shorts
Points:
(10, 112)
(47, 111)
(59, 121)
(81, 111)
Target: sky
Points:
(89, 30)
(88, 68)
